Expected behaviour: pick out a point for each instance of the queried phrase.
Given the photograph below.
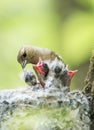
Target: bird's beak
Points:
(38, 67)
(72, 73)
(23, 64)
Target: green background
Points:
(65, 26)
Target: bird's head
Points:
(25, 55)
(61, 71)
(41, 68)
(29, 77)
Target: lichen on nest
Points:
(26, 109)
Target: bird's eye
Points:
(57, 69)
(24, 54)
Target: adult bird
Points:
(32, 54)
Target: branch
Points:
(89, 81)
(89, 87)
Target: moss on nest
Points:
(42, 119)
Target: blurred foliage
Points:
(65, 26)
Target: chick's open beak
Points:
(23, 64)
(72, 73)
(39, 67)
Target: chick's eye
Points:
(24, 54)
(57, 69)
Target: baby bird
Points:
(31, 54)
(55, 74)
(29, 78)
(42, 71)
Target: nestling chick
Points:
(62, 72)
(63, 76)
(42, 71)
(29, 78)
(55, 74)
(31, 54)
